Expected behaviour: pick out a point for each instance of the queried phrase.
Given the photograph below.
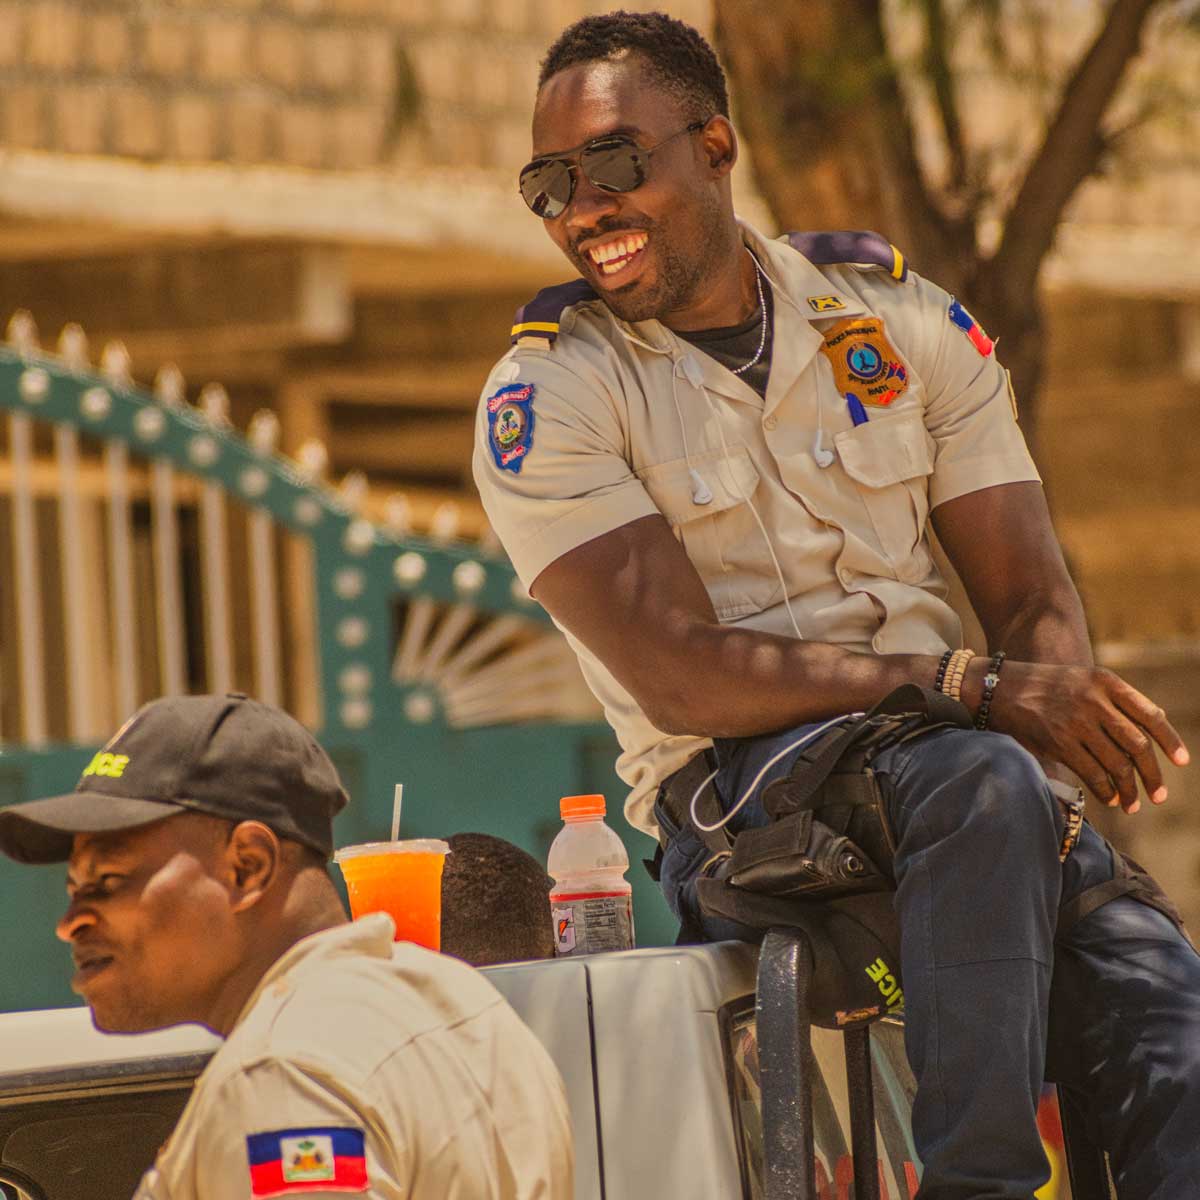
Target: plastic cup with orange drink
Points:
(402, 879)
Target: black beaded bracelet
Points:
(990, 682)
(941, 671)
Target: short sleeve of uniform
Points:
(969, 408)
(572, 482)
(276, 1128)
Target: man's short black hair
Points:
(676, 55)
(495, 902)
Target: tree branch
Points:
(1070, 150)
(819, 102)
(941, 79)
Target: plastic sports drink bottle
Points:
(591, 902)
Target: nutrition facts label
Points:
(588, 923)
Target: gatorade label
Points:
(587, 922)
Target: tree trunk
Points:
(818, 99)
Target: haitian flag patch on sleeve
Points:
(510, 425)
(284, 1162)
(967, 323)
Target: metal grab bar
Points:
(788, 1069)
(1086, 1164)
(786, 1065)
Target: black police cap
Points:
(226, 756)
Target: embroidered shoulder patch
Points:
(967, 323)
(825, 303)
(865, 364)
(285, 1162)
(510, 425)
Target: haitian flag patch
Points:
(967, 323)
(510, 425)
(288, 1161)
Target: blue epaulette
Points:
(540, 317)
(850, 247)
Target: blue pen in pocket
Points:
(858, 414)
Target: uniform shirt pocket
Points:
(721, 538)
(890, 458)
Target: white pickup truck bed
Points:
(657, 1048)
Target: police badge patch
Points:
(510, 425)
(864, 362)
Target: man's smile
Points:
(614, 255)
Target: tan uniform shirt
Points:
(408, 1063)
(619, 427)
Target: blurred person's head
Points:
(635, 101)
(495, 902)
(196, 845)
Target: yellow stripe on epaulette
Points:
(898, 265)
(534, 327)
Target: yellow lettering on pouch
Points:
(825, 303)
(889, 987)
(111, 766)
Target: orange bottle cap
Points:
(572, 808)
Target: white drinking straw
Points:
(396, 802)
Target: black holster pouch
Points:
(825, 862)
(829, 834)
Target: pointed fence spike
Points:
(264, 431)
(73, 346)
(23, 332)
(443, 526)
(354, 490)
(115, 364)
(214, 404)
(397, 514)
(169, 386)
(313, 459)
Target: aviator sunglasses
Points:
(613, 162)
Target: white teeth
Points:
(621, 248)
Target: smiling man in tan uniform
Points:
(716, 460)
(196, 845)
(843, 507)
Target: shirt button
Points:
(844, 575)
(877, 643)
(770, 422)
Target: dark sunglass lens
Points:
(546, 188)
(614, 166)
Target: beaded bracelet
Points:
(941, 671)
(956, 672)
(990, 682)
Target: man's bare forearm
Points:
(1049, 627)
(723, 681)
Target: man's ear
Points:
(252, 857)
(720, 145)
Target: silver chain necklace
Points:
(762, 335)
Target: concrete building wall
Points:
(325, 84)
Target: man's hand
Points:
(1092, 721)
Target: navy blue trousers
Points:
(992, 1005)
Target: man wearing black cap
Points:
(196, 844)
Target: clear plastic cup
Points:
(402, 879)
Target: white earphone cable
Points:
(737, 808)
(744, 497)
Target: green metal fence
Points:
(432, 665)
